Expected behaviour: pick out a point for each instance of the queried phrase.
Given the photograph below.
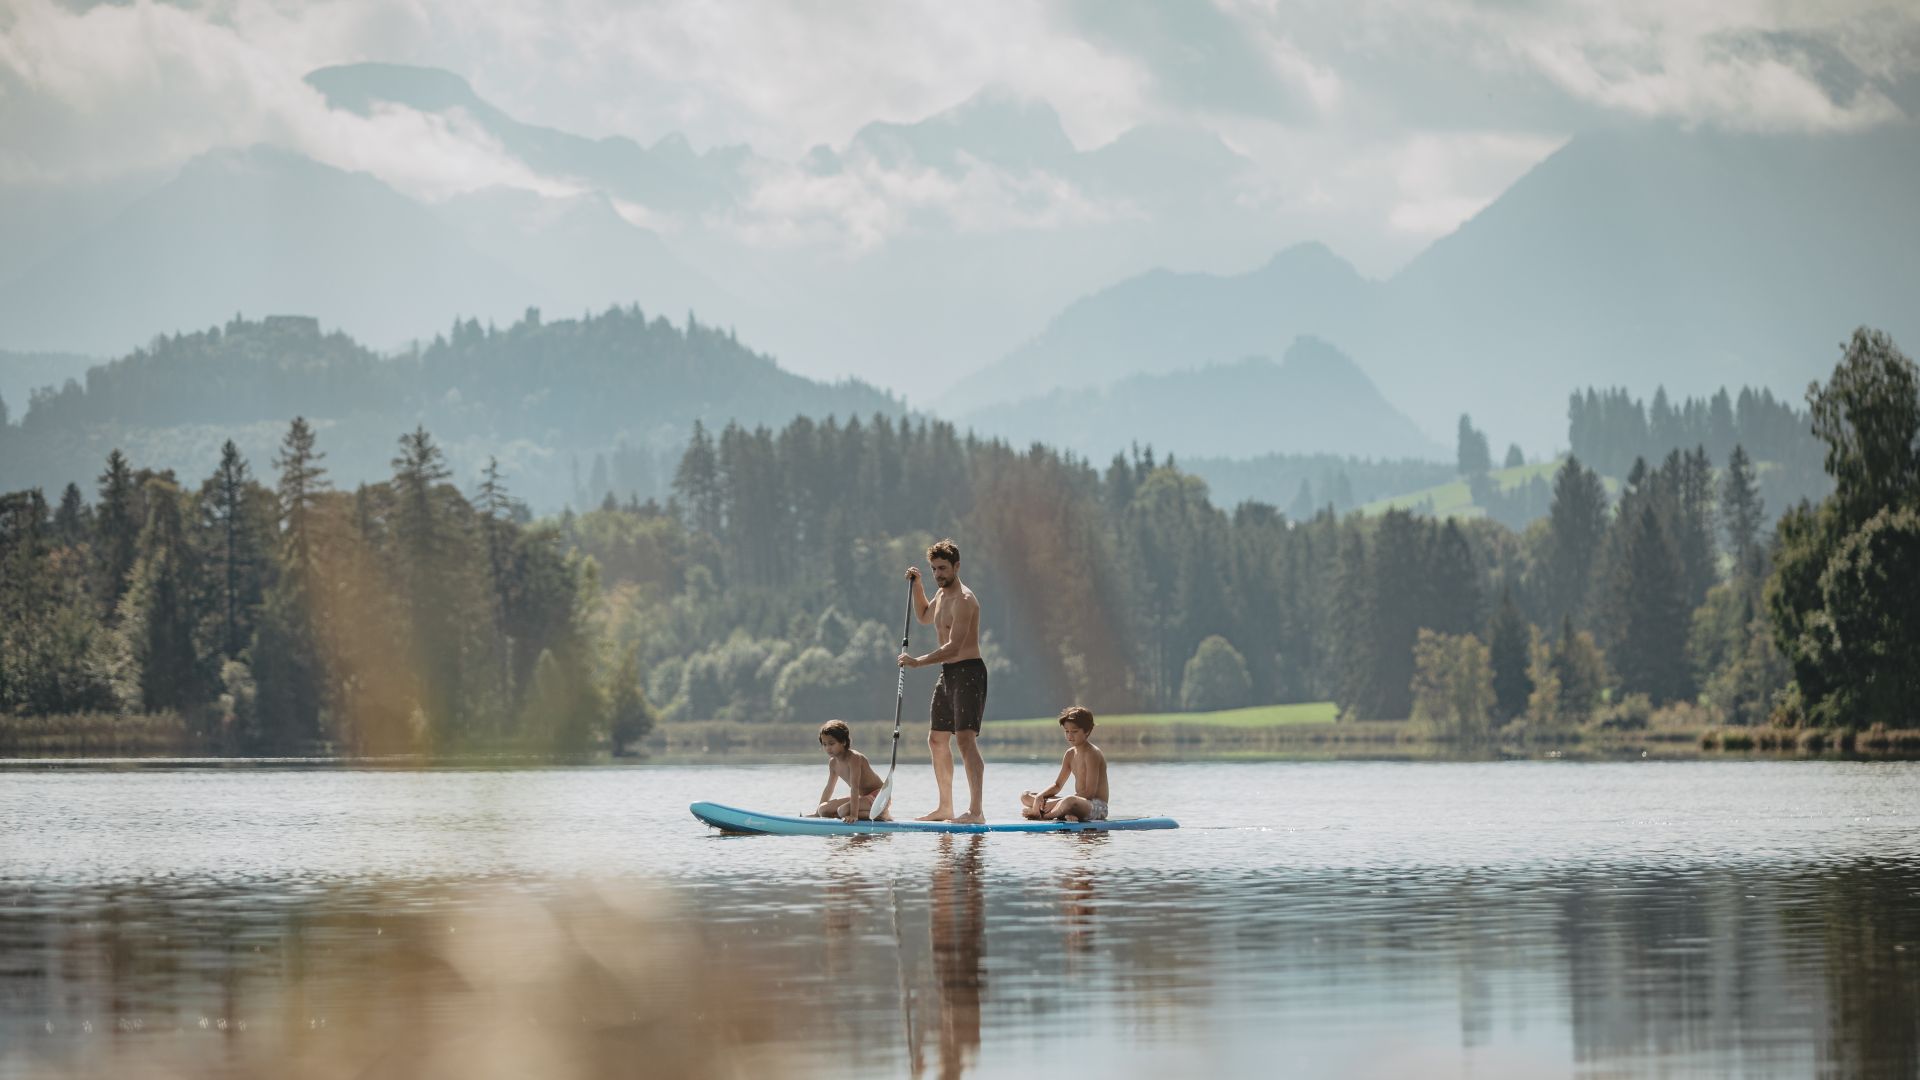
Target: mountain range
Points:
(1315, 400)
(1642, 258)
(977, 258)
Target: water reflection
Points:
(958, 928)
(1630, 922)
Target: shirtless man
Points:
(1088, 767)
(846, 763)
(960, 697)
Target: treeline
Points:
(405, 614)
(402, 616)
(1304, 484)
(1124, 586)
(1610, 429)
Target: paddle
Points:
(885, 796)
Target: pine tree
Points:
(289, 659)
(1515, 458)
(302, 480)
(1579, 670)
(1654, 619)
(1509, 639)
(1471, 450)
(697, 482)
(157, 665)
(1451, 579)
(424, 537)
(1576, 525)
(73, 522)
(117, 528)
(1353, 629)
(1693, 527)
(1742, 512)
(225, 496)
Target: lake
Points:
(1484, 919)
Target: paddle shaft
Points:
(885, 794)
(900, 684)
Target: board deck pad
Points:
(734, 820)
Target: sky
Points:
(1391, 122)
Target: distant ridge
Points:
(1315, 400)
(1649, 254)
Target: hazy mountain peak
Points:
(993, 125)
(1312, 259)
(1316, 400)
(357, 88)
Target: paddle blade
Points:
(881, 800)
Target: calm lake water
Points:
(1514, 919)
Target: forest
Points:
(269, 611)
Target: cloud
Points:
(1709, 66)
(1748, 65)
(857, 207)
(1373, 126)
(142, 87)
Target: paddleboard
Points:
(734, 820)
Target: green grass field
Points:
(1454, 500)
(1260, 716)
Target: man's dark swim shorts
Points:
(960, 697)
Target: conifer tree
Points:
(1653, 617)
(117, 528)
(302, 480)
(73, 522)
(1509, 639)
(157, 666)
(1742, 511)
(697, 482)
(1576, 525)
(1472, 453)
(236, 546)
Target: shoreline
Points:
(1155, 739)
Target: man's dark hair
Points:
(945, 549)
(1078, 715)
(838, 731)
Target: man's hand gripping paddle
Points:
(885, 796)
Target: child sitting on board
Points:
(846, 763)
(1088, 767)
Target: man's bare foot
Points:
(973, 818)
(942, 814)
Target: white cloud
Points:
(1707, 62)
(145, 85)
(1442, 180)
(142, 87)
(859, 207)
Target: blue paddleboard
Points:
(734, 820)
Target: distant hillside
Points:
(1304, 484)
(257, 230)
(1163, 321)
(1642, 255)
(268, 230)
(23, 373)
(563, 403)
(1315, 400)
